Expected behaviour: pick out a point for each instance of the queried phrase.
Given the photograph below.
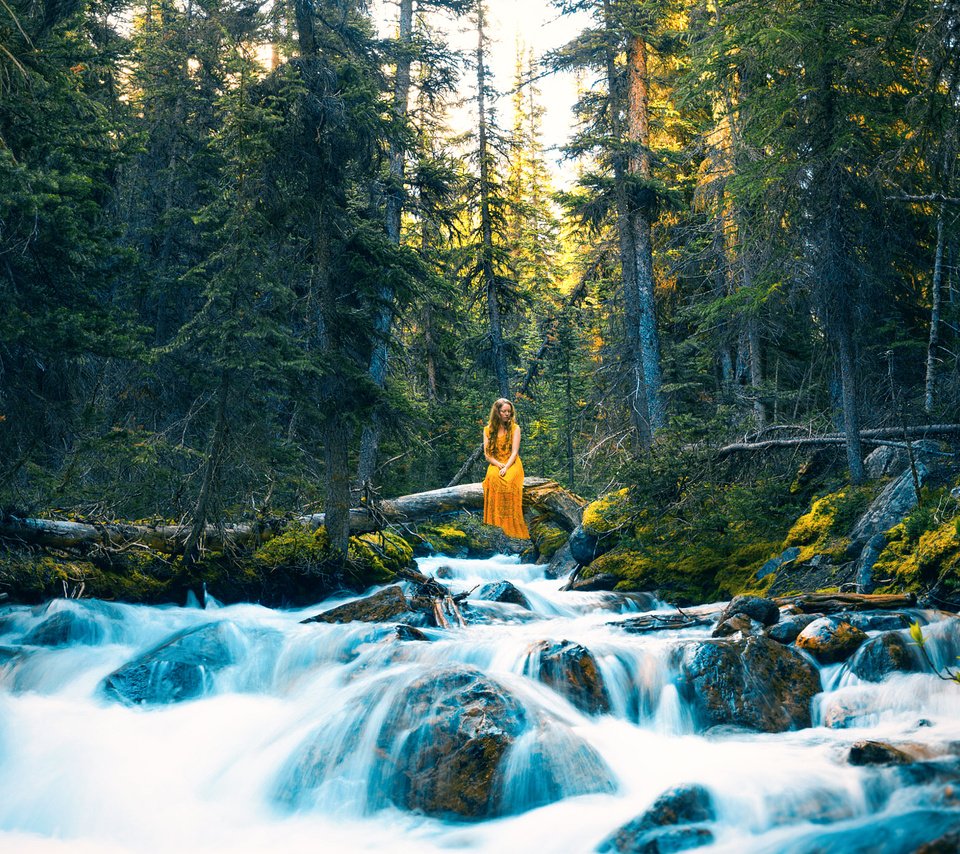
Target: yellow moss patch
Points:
(298, 546)
(445, 539)
(610, 512)
(547, 537)
(914, 566)
(823, 528)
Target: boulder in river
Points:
(753, 682)
(452, 738)
(65, 628)
(382, 607)
(673, 823)
(179, 669)
(737, 624)
(888, 653)
(877, 753)
(562, 563)
(571, 670)
(830, 639)
(762, 610)
(787, 629)
(503, 591)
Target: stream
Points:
(304, 737)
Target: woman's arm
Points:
(514, 451)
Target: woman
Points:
(503, 485)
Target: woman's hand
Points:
(503, 471)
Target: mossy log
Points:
(546, 495)
(831, 603)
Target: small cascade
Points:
(545, 722)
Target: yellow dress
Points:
(503, 496)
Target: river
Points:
(283, 749)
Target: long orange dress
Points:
(503, 496)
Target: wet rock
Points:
(585, 548)
(410, 633)
(179, 669)
(737, 624)
(888, 653)
(876, 753)
(897, 499)
(866, 560)
(817, 806)
(571, 670)
(444, 571)
(382, 607)
(65, 628)
(562, 563)
(764, 611)
(600, 581)
(775, 563)
(666, 825)
(949, 843)
(457, 727)
(660, 622)
(876, 621)
(754, 682)
(786, 630)
(830, 640)
(503, 591)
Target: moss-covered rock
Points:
(689, 577)
(825, 528)
(548, 538)
(610, 514)
(444, 538)
(917, 563)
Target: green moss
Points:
(298, 546)
(445, 539)
(548, 538)
(609, 513)
(376, 558)
(823, 529)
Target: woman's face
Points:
(505, 411)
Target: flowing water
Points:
(288, 744)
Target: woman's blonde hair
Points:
(493, 422)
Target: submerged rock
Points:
(382, 607)
(888, 653)
(65, 628)
(830, 640)
(753, 682)
(410, 633)
(877, 753)
(571, 670)
(667, 825)
(179, 669)
(503, 591)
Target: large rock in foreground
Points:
(181, 668)
(754, 682)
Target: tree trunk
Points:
(498, 351)
(638, 135)
(383, 321)
(933, 344)
(211, 468)
(637, 398)
(851, 415)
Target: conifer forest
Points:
(249, 269)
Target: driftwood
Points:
(830, 603)
(885, 436)
(660, 622)
(171, 539)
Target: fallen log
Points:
(544, 494)
(831, 603)
(884, 436)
